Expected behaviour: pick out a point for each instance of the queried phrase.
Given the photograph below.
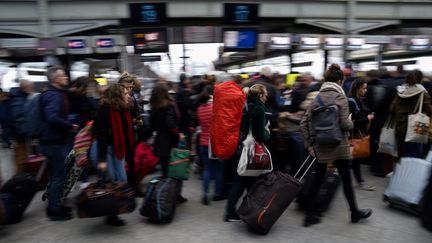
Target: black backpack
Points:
(325, 122)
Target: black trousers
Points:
(164, 161)
(343, 167)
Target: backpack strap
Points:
(351, 99)
(321, 103)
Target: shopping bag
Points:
(387, 141)
(418, 124)
(179, 166)
(255, 158)
(360, 146)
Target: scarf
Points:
(118, 132)
(332, 85)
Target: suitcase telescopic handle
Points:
(307, 169)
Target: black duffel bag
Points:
(105, 199)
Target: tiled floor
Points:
(197, 223)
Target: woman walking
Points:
(361, 122)
(339, 154)
(114, 133)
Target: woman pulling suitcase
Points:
(114, 133)
(332, 96)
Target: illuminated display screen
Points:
(240, 40)
(241, 13)
(150, 40)
(76, 44)
(148, 13)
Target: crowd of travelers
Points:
(277, 116)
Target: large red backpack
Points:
(228, 103)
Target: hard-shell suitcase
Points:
(268, 199)
(426, 208)
(160, 200)
(326, 193)
(22, 188)
(407, 184)
(105, 199)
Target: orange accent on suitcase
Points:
(261, 214)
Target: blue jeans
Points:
(116, 167)
(56, 155)
(213, 169)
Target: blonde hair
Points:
(257, 89)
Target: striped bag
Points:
(82, 144)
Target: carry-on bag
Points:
(179, 166)
(387, 140)
(426, 208)
(407, 184)
(418, 124)
(269, 197)
(326, 192)
(105, 199)
(160, 200)
(22, 188)
(9, 209)
(36, 165)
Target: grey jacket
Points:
(329, 153)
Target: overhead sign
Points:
(280, 41)
(150, 40)
(310, 42)
(76, 44)
(105, 42)
(148, 13)
(237, 13)
(19, 43)
(355, 42)
(199, 34)
(419, 43)
(334, 42)
(398, 42)
(240, 40)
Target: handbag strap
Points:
(419, 103)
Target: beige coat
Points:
(329, 153)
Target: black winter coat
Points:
(164, 122)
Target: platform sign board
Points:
(240, 39)
(334, 42)
(148, 13)
(419, 43)
(78, 45)
(280, 41)
(355, 43)
(199, 34)
(150, 40)
(310, 42)
(241, 13)
(24, 43)
(378, 39)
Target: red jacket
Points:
(204, 118)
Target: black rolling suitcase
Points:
(326, 193)
(105, 199)
(426, 208)
(160, 200)
(268, 199)
(22, 188)
(9, 209)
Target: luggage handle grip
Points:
(301, 167)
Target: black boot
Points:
(311, 219)
(360, 214)
(114, 221)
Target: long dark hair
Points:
(414, 77)
(356, 86)
(160, 97)
(333, 74)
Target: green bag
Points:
(179, 166)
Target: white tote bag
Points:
(245, 166)
(387, 141)
(418, 124)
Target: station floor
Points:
(194, 222)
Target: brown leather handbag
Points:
(360, 147)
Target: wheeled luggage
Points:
(105, 199)
(22, 188)
(407, 184)
(268, 198)
(426, 208)
(9, 209)
(36, 165)
(326, 193)
(160, 200)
